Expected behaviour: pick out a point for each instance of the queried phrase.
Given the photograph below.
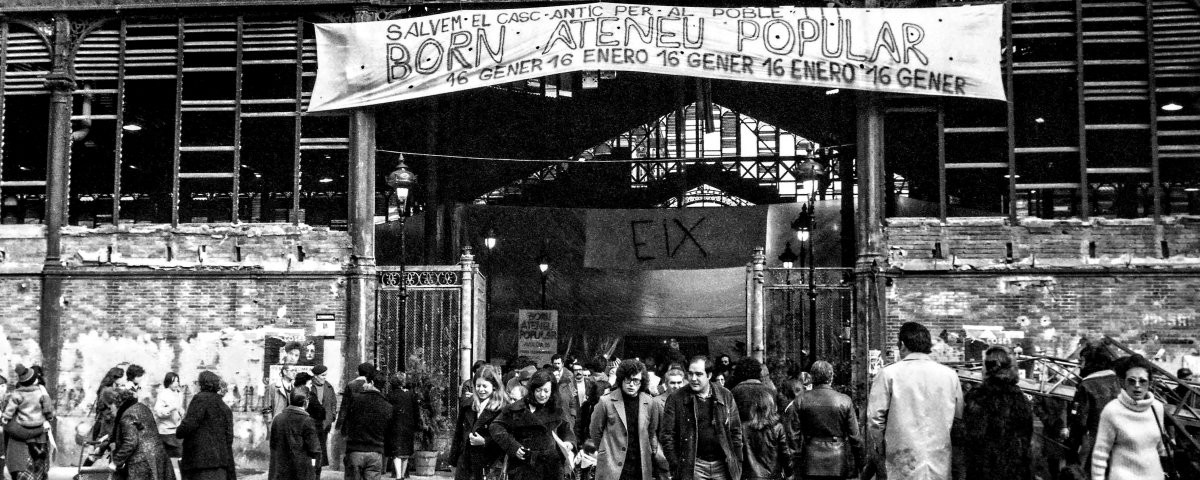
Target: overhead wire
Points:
(580, 160)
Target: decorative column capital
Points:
(60, 82)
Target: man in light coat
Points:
(912, 407)
(624, 427)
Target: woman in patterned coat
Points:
(138, 452)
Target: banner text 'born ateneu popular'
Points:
(950, 51)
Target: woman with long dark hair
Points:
(998, 422)
(1100, 385)
(207, 434)
(474, 452)
(767, 454)
(535, 433)
(168, 408)
(137, 450)
(102, 421)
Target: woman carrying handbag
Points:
(536, 434)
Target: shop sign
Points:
(946, 51)
(537, 334)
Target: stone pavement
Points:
(65, 473)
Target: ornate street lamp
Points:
(788, 257)
(401, 180)
(811, 172)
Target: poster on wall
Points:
(287, 352)
(537, 334)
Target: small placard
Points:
(324, 325)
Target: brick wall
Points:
(19, 320)
(983, 243)
(1066, 279)
(187, 322)
(184, 299)
(1147, 311)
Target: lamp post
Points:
(810, 171)
(401, 180)
(544, 266)
(788, 259)
(489, 241)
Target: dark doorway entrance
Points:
(659, 349)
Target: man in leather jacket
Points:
(701, 432)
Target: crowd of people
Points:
(625, 420)
(628, 422)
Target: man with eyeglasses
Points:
(624, 426)
(701, 434)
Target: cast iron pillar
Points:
(61, 83)
(871, 252)
(360, 291)
(466, 326)
(757, 306)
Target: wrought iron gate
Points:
(431, 318)
(809, 314)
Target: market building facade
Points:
(168, 200)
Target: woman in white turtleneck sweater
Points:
(1129, 441)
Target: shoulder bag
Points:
(1170, 470)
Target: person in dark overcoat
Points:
(207, 434)
(997, 423)
(526, 431)
(820, 422)
(327, 397)
(473, 451)
(402, 431)
(294, 443)
(137, 452)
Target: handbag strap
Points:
(1163, 435)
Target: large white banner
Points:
(951, 51)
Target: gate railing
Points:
(798, 315)
(431, 318)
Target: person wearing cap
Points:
(327, 398)
(28, 404)
(26, 417)
(314, 408)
